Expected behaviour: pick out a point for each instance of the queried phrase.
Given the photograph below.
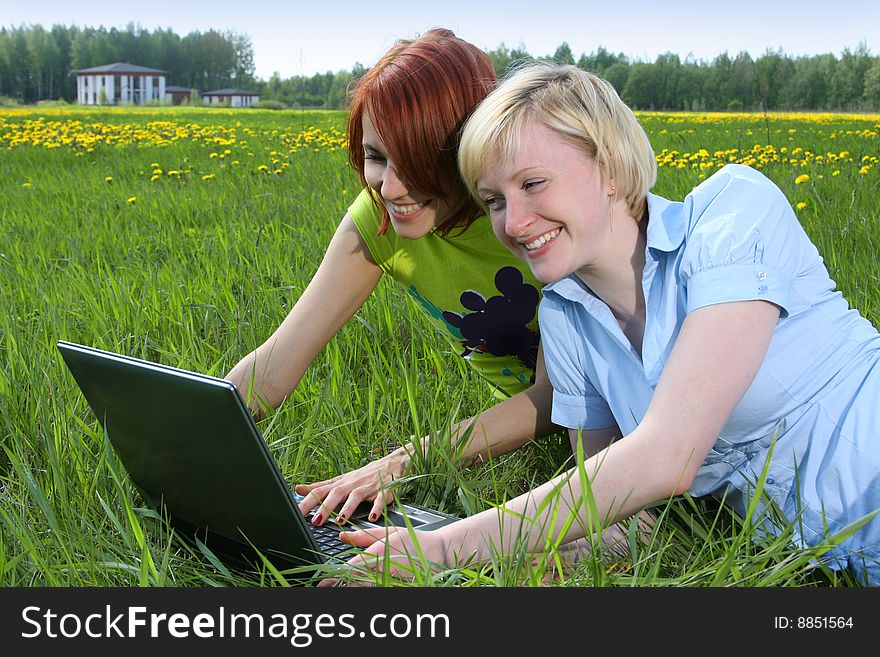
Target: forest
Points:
(39, 64)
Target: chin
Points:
(411, 231)
(547, 275)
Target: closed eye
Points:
(532, 184)
(494, 202)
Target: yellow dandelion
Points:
(801, 179)
(27, 185)
(154, 178)
(836, 172)
(865, 169)
(801, 205)
(108, 179)
(132, 200)
(207, 176)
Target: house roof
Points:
(230, 92)
(121, 67)
(175, 89)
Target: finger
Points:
(366, 537)
(379, 559)
(355, 497)
(304, 489)
(351, 580)
(382, 500)
(322, 501)
(332, 499)
(311, 500)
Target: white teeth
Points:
(541, 241)
(408, 209)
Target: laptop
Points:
(192, 449)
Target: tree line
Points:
(773, 81)
(37, 64)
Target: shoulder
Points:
(733, 190)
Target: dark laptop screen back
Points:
(189, 440)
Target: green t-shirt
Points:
(480, 296)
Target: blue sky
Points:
(294, 37)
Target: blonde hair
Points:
(578, 105)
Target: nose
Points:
(517, 218)
(392, 186)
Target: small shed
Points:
(120, 82)
(231, 97)
(179, 95)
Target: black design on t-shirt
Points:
(498, 325)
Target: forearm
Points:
(504, 427)
(345, 278)
(266, 376)
(613, 485)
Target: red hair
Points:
(418, 96)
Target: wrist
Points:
(457, 549)
(399, 460)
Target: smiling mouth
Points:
(410, 208)
(542, 240)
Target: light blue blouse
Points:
(736, 238)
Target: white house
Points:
(120, 83)
(233, 97)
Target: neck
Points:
(617, 277)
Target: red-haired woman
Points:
(406, 113)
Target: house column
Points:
(161, 88)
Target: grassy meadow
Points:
(184, 235)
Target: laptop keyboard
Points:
(327, 539)
(326, 536)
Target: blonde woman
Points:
(690, 345)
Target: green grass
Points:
(195, 268)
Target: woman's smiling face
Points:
(413, 215)
(549, 204)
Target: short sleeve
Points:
(743, 241)
(576, 402)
